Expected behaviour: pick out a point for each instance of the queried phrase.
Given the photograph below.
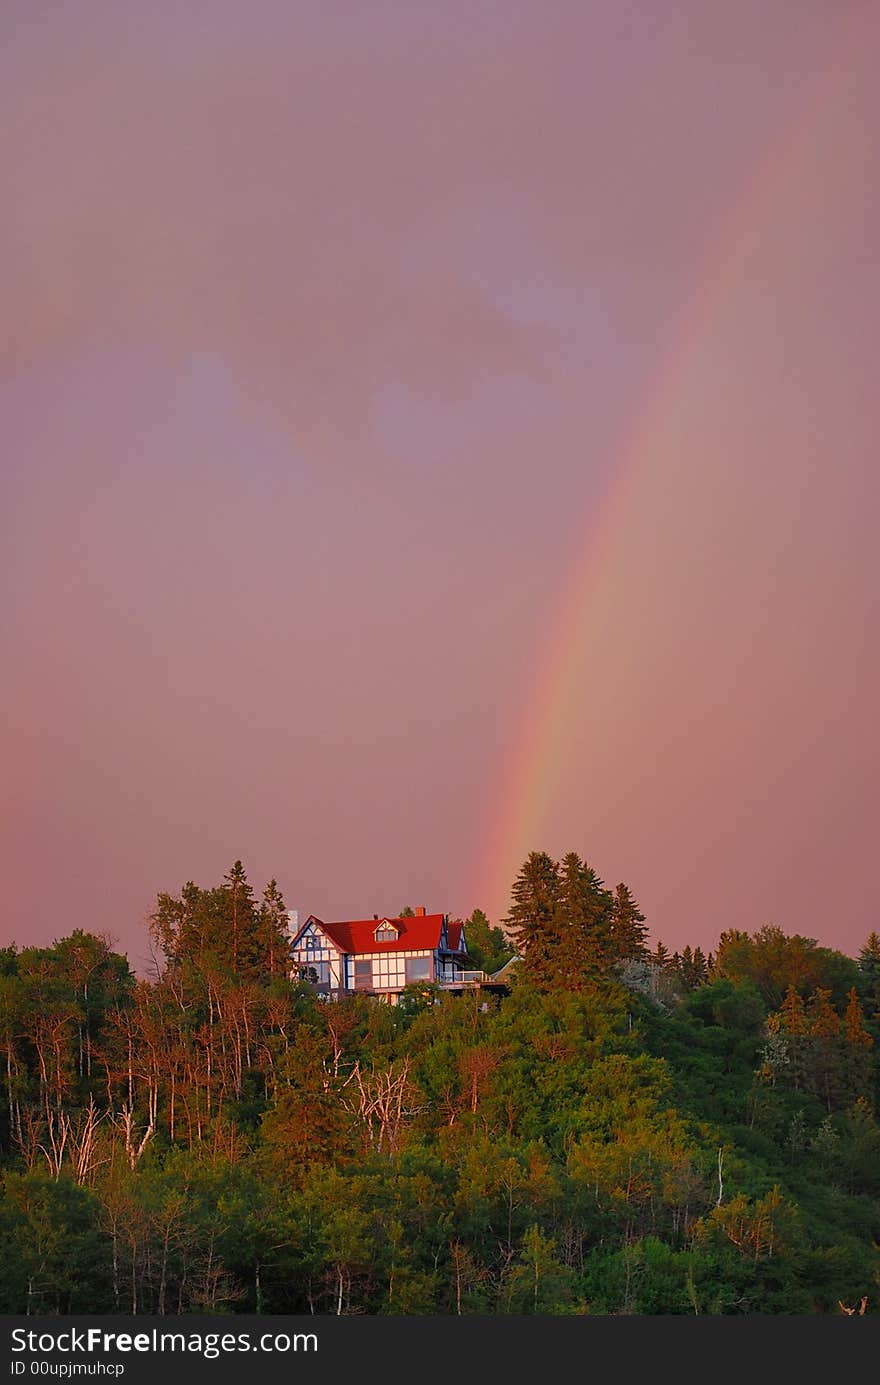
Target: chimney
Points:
(376, 918)
(420, 911)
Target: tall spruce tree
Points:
(628, 929)
(581, 923)
(240, 914)
(660, 957)
(869, 979)
(273, 935)
(531, 916)
(701, 967)
(223, 930)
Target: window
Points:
(388, 971)
(317, 973)
(363, 975)
(419, 969)
(386, 933)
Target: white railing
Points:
(466, 978)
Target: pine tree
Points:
(691, 967)
(854, 1022)
(685, 965)
(791, 1021)
(222, 930)
(824, 1021)
(274, 938)
(241, 916)
(628, 931)
(581, 923)
(701, 967)
(660, 957)
(794, 1019)
(869, 966)
(531, 915)
(857, 1045)
(827, 1063)
(487, 946)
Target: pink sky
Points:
(324, 329)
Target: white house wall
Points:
(314, 948)
(387, 969)
(387, 973)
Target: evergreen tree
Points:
(827, 1061)
(854, 1023)
(487, 946)
(241, 918)
(628, 931)
(216, 1140)
(660, 957)
(794, 1018)
(274, 938)
(223, 931)
(701, 967)
(581, 924)
(791, 1021)
(869, 969)
(683, 963)
(531, 915)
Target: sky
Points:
(432, 433)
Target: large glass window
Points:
(390, 971)
(363, 974)
(419, 969)
(318, 973)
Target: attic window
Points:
(386, 932)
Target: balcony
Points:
(465, 978)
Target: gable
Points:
(455, 936)
(386, 931)
(314, 935)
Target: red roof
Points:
(453, 933)
(418, 934)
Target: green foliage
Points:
(488, 947)
(774, 961)
(568, 928)
(220, 1140)
(223, 931)
(532, 913)
(56, 1260)
(738, 1007)
(869, 979)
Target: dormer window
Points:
(387, 932)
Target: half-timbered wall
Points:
(318, 961)
(387, 971)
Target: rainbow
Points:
(529, 772)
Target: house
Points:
(382, 955)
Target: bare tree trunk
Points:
(115, 1256)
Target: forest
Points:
(627, 1131)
